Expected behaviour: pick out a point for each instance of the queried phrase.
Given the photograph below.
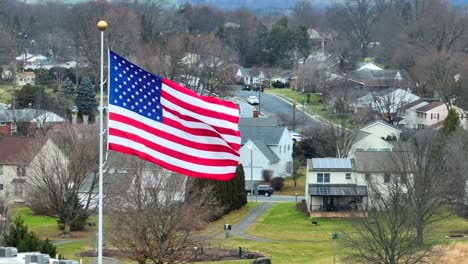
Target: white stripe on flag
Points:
(172, 160)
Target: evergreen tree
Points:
(451, 122)
(231, 194)
(86, 100)
(19, 237)
(68, 89)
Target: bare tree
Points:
(63, 170)
(384, 234)
(389, 103)
(343, 139)
(303, 14)
(424, 165)
(356, 19)
(154, 212)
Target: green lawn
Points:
(289, 189)
(293, 238)
(313, 107)
(232, 218)
(5, 93)
(283, 222)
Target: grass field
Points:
(289, 189)
(313, 107)
(293, 238)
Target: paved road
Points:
(271, 105)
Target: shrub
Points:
(267, 174)
(24, 240)
(278, 84)
(277, 183)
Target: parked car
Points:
(264, 190)
(253, 100)
(246, 87)
(296, 137)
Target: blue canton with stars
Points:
(134, 89)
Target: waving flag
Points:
(167, 124)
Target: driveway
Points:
(249, 219)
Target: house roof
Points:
(258, 121)
(28, 115)
(380, 122)
(375, 161)
(269, 135)
(269, 154)
(26, 74)
(369, 66)
(330, 164)
(337, 190)
(19, 150)
(414, 103)
(360, 135)
(374, 74)
(245, 72)
(429, 106)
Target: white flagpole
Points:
(102, 26)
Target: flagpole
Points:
(102, 26)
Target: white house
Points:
(376, 136)
(265, 149)
(333, 185)
(23, 78)
(16, 157)
(389, 100)
(423, 114)
(250, 76)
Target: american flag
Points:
(167, 124)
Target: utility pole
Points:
(294, 116)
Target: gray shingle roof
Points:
(20, 115)
(258, 121)
(245, 72)
(269, 154)
(269, 135)
(376, 161)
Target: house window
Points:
(289, 147)
(323, 177)
(348, 176)
(2, 123)
(1, 187)
(421, 126)
(280, 149)
(19, 191)
(1, 170)
(386, 178)
(20, 171)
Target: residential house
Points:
(333, 185)
(23, 57)
(7, 73)
(17, 154)
(250, 76)
(429, 114)
(376, 136)
(388, 101)
(265, 150)
(285, 77)
(26, 121)
(369, 66)
(23, 78)
(365, 79)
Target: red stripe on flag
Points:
(183, 141)
(189, 92)
(196, 174)
(171, 152)
(197, 109)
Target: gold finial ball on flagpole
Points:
(102, 25)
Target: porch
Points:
(345, 200)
